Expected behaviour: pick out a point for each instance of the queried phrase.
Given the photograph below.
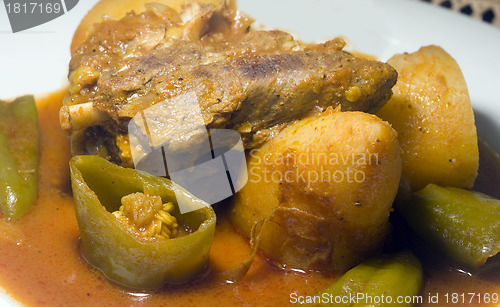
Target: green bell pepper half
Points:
(98, 187)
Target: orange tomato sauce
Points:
(40, 262)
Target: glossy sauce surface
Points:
(40, 264)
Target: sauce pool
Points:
(40, 263)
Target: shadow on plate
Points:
(488, 129)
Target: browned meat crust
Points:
(255, 82)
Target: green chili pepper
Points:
(18, 156)
(382, 281)
(98, 187)
(464, 225)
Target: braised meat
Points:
(252, 81)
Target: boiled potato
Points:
(325, 185)
(117, 9)
(432, 113)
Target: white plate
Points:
(36, 60)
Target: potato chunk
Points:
(326, 186)
(432, 113)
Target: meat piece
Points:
(255, 82)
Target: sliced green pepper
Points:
(383, 281)
(98, 189)
(18, 156)
(462, 224)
